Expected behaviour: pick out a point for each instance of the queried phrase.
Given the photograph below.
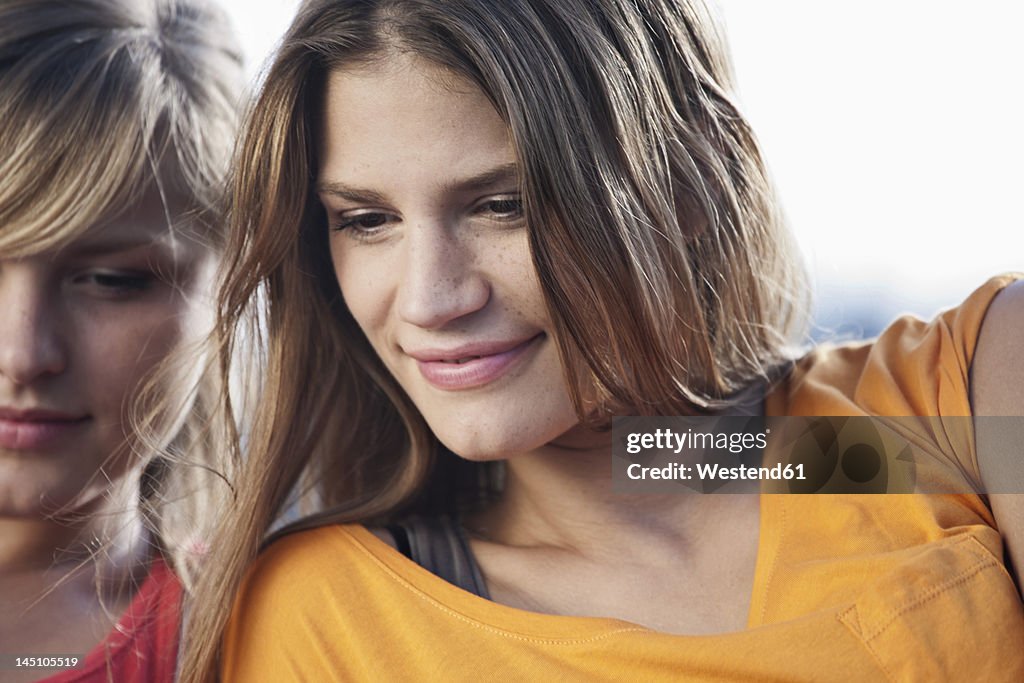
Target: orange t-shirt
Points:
(846, 587)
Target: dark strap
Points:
(439, 545)
(398, 533)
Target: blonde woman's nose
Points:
(441, 279)
(30, 341)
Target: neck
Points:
(561, 496)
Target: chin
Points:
(478, 450)
(487, 443)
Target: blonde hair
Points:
(102, 102)
(101, 99)
(666, 267)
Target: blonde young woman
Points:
(118, 119)
(470, 233)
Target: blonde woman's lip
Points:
(38, 415)
(471, 365)
(33, 430)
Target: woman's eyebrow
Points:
(504, 174)
(113, 245)
(123, 238)
(351, 194)
(500, 175)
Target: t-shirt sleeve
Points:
(915, 369)
(923, 368)
(919, 368)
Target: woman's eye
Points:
(114, 283)
(362, 224)
(504, 208)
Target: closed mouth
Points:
(461, 369)
(36, 430)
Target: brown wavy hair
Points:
(667, 271)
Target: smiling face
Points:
(82, 328)
(419, 182)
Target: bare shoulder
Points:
(997, 389)
(997, 372)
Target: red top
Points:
(143, 646)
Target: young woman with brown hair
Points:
(118, 121)
(467, 234)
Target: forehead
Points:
(401, 114)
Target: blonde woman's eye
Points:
(116, 283)
(503, 208)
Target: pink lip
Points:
(30, 430)
(487, 362)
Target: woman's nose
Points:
(31, 347)
(441, 279)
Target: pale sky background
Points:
(894, 130)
